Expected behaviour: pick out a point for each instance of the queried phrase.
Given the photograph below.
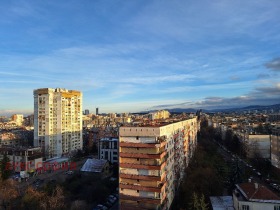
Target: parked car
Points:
(113, 198)
(69, 172)
(110, 200)
(108, 204)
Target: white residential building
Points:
(253, 196)
(108, 149)
(57, 121)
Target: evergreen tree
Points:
(203, 204)
(198, 203)
(4, 167)
(194, 204)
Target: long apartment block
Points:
(152, 163)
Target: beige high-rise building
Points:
(162, 114)
(57, 121)
(18, 119)
(153, 161)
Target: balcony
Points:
(143, 145)
(161, 178)
(141, 199)
(136, 205)
(140, 177)
(142, 150)
(140, 155)
(139, 166)
(158, 189)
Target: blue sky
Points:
(128, 56)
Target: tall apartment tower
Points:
(57, 121)
(152, 163)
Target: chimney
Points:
(256, 186)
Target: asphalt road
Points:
(228, 156)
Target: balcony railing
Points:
(139, 166)
(142, 155)
(137, 186)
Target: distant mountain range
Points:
(275, 107)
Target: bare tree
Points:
(8, 192)
(56, 201)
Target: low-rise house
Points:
(23, 159)
(253, 196)
(96, 166)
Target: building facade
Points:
(253, 196)
(108, 149)
(18, 119)
(152, 163)
(162, 114)
(258, 145)
(57, 121)
(22, 159)
(275, 148)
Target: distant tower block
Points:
(97, 111)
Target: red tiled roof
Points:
(251, 192)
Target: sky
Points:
(130, 56)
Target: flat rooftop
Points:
(157, 123)
(222, 203)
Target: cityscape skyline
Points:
(134, 56)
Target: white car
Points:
(69, 172)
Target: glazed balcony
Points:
(143, 199)
(161, 178)
(142, 145)
(143, 161)
(160, 188)
(140, 166)
(138, 150)
(142, 155)
(138, 182)
(124, 205)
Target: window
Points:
(277, 207)
(245, 207)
